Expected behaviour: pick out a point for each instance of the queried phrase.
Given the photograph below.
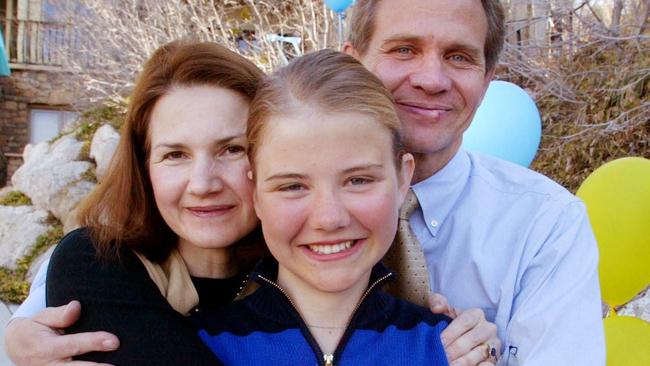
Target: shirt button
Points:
(434, 223)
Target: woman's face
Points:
(328, 195)
(198, 165)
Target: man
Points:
(495, 236)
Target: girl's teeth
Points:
(331, 249)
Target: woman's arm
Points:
(120, 298)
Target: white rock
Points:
(47, 173)
(19, 228)
(63, 202)
(103, 147)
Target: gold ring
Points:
(491, 352)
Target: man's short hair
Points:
(362, 27)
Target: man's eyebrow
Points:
(403, 37)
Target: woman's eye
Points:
(235, 149)
(174, 155)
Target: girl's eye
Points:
(356, 181)
(294, 187)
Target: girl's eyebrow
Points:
(362, 168)
(285, 176)
(353, 169)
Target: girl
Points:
(330, 176)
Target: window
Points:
(45, 124)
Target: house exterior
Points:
(36, 101)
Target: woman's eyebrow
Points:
(176, 145)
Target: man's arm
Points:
(468, 336)
(32, 335)
(35, 301)
(556, 315)
(36, 341)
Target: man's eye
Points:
(403, 50)
(458, 58)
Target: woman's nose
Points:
(205, 178)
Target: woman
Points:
(166, 178)
(169, 228)
(330, 177)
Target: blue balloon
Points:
(338, 6)
(506, 125)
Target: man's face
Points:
(429, 54)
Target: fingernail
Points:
(109, 344)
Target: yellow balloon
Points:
(628, 341)
(617, 196)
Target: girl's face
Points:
(198, 165)
(328, 195)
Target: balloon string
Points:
(340, 30)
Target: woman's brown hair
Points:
(121, 211)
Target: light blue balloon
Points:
(338, 6)
(506, 125)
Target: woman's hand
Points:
(38, 341)
(469, 338)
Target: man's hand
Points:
(469, 336)
(38, 341)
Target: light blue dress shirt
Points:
(514, 243)
(35, 301)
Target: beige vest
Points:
(173, 281)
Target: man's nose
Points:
(431, 75)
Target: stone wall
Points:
(23, 90)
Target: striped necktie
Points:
(406, 258)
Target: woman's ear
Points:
(406, 173)
(252, 178)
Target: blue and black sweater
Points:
(265, 329)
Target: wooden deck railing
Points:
(29, 42)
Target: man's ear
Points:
(350, 50)
(406, 173)
(489, 75)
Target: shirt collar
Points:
(438, 193)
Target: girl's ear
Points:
(406, 173)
